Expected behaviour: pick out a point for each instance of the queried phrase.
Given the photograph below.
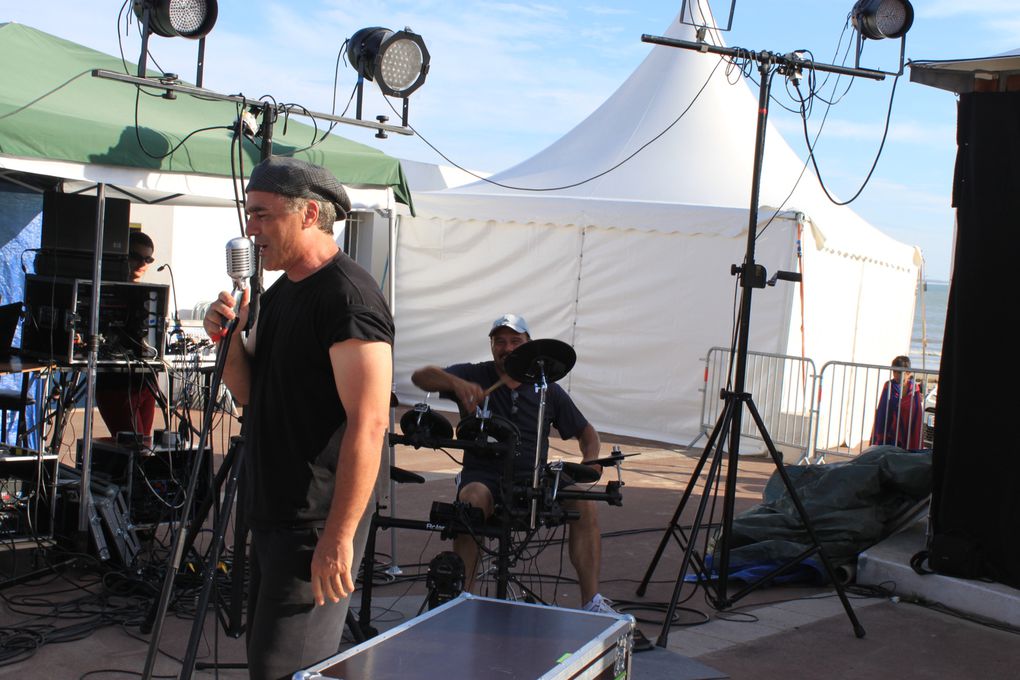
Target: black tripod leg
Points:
(722, 567)
(352, 625)
(368, 578)
(239, 566)
(778, 460)
(716, 453)
(674, 523)
(197, 522)
(505, 540)
(212, 559)
(195, 528)
(503, 560)
(177, 551)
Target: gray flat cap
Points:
(300, 179)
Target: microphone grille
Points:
(240, 258)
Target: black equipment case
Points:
(480, 637)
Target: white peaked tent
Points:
(633, 268)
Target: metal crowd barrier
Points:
(831, 411)
(848, 399)
(781, 386)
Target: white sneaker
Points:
(600, 605)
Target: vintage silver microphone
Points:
(240, 266)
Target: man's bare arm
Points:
(435, 379)
(237, 369)
(590, 444)
(363, 372)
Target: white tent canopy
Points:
(167, 188)
(633, 268)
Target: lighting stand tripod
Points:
(751, 276)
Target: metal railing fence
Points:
(859, 405)
(843, 408)
(782, 387)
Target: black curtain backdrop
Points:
(976, 460)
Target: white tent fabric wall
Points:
(639, 306)
(859, 307)
(454, 277)
(646, 300)
(633, 268)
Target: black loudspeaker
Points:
(69, 223)
(72, 264)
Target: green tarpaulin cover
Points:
(51, 107)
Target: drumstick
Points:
(496, 385)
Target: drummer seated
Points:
(479, 483)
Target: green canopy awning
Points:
(52, 108)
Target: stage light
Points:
(172, 18)
(878, 19)
(175, 18)
(396, 62)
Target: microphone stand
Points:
(173, 287)
(177, 552)
(232, 464)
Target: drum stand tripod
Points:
(751, 275)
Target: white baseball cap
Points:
(512, 321)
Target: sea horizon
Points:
(929, 320)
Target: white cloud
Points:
(603, 10)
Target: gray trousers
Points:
(286, 631)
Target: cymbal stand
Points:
(541, 386)
(751, 275)
(505, 537)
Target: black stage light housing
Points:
(185, 18)
(397, 62)
(878, 19)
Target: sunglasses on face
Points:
(147, 259)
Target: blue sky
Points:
(509, 78)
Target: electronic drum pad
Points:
(495, 429)
(422, 419)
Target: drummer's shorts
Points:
(492, 479)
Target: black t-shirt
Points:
(296, 418)
(520, 407)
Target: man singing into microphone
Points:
(315, 375)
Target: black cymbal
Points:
(527, 363)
